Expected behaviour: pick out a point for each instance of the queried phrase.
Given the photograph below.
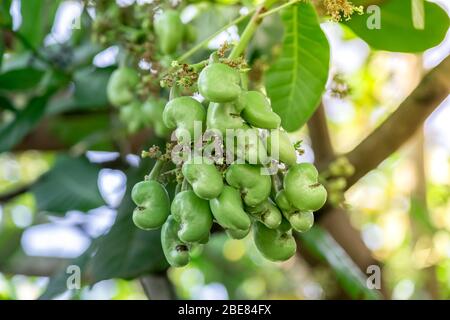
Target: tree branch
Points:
(402, 124)
(157, 287)
(320, 137)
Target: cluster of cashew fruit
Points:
(237, 196)
(124, 83)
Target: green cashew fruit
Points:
(202, 174)
(274, 244)
(237, 234)
(301, 221)
(249, 146)
(223, 116)
(121, 86)
(278, 141)
(257, 111)
(254, 187)
(267, 213)
(175, 251)
(153, 204)
(131, 115)
(303, 189)
(228, 210)
(170, 31)
(219, 82)
(182, 113)
(153, 112)
(194, 216)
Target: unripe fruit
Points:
(170, 31)
(175, 251)
(204, 177)
(257, 111)
(182, 113)
(153, 112)
(228, 210)
(153, 204)
(194, 216)
(278, 141)
(121, 86)
(254, 187)
(274, 244)
(223, 116)
(303, 189)
(301, 221)
(219, 82)
(267, 213)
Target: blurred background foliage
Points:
(67, 164)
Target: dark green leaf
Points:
(37, 20)
(126, 251)
(90, 87)
(397, 32)
(13, 132)
(58, 282)
(70, 185)
(324, 247)
(296, 81)
(6, 104)
(90, 92)
(5, 16)
(20, 79)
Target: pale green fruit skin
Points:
(170, 31)
(206, 180)
(300, 221)
(302, 187)
(237, 234)
(153, 112)
(228, 210)
(254, 186)
(153, 204)
(267, 213)
(249, 146)
(182, 113)
(194, 216)
(131, 116)
(257, 110)
(175, 251)
(223, 116)
(219, 82)
(121, 86)
(281, 142)
(274, 244)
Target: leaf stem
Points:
(250, 30)
(275, 10)
(203, 43)
(156, 170)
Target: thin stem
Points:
(275, 10)
(203, 43)
(185, 185)
(156, 170)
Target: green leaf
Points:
(6, 104)
(70, 185)
(5, 16)
(90, 91)
(58, 282)
(325, 248)
(13, 132)
(296, 81)
(126, 251)
(37, 19)
(20, 79)
(397, 32)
